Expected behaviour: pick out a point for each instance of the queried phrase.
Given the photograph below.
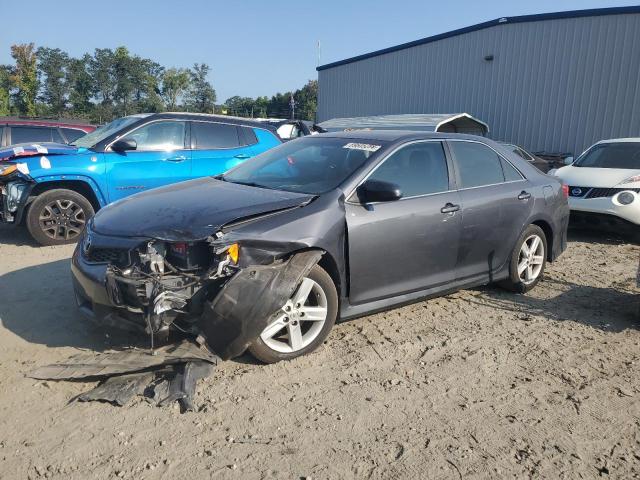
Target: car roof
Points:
(248, 122)
(396, 135)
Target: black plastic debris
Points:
(168, 375)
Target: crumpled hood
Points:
(20, 150)
(190, 211)
(595, 177)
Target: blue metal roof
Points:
(491, 23)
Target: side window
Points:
(418, 169)
(247, 136)
(159, 136)
(30, 134)
(510, 173)
(72, 134)
(477, 164)
(209, 136)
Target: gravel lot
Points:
(481, 383)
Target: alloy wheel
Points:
(62, 219)
(299, 321)
(530, 259)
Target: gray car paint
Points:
(382, 255)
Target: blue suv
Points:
(54, 189)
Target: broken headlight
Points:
(154, 257)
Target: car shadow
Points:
(38, 305)
(606, 309)
(17, 236)
(601, 235)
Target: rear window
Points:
(72, 134)
(30, 134)
(477, 164)
(625, 155)
(208, 136)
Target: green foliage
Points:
(24, 78)
(108, 83)
(201, 96)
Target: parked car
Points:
(290, 129)
(269, 255)
(55, 189)
(19, 130)
(604, 184)
(540, 163)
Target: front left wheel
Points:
(303, 322)
(58, 217)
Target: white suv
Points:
(605, 179)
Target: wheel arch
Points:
(83, 186)
(548, 233)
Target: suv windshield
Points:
(611, 155)
(307, 165)
(99, 134)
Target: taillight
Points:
(565, 190)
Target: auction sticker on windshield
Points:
(367, 147)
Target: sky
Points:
(253, 47)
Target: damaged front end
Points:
(223, 292)
(15, 188)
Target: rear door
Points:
(495, 201)
(161, 158)
(217, 147)
(409, 244)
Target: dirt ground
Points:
(481, 383)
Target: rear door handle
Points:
(450, 208)
(241, 156)
(177, 159)
(524, 195)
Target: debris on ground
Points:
(166, 375)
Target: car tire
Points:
(526, 268)
(58, 217)
(274, 348)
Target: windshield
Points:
(307, 165)
(99, 134)
(624, 155)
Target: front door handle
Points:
(524, 195)
(450, 208)
(176, 159)
(241, 156)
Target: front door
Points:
(409, 244)
(160, 158)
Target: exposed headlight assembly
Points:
(624, 198)
(7, 169)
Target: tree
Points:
(5, 86)
(100, 69)
(201, 96)
(25, 78)
(80, 84)
(175, 83)
(307, 101)
(52, 63)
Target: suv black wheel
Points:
(58, 217)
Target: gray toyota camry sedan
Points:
(269, 255)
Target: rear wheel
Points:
(58, 217)
(302, 323)
(528, 260)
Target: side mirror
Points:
(378, 191)
(568, 160)
(124, 144)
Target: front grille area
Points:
(117, 256)
(594, 192)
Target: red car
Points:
(19, 130)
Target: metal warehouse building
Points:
(554, 82)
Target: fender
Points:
(82, 178)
